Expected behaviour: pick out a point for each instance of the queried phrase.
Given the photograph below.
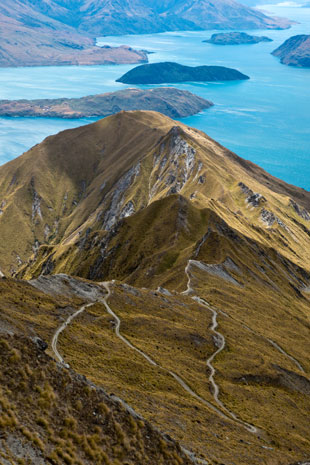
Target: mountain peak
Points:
(93, 177)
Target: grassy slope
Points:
(53, 415)
(266, 297)
(265, 389)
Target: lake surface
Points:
(265, 119)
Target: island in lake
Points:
(168, 72)
(236, 38)
(167, 100)
(295, 51)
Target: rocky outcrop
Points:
(117, 209)
(269, 218)
(173, 171)
(220, 270)
(253, 198)
(302, 212)
(160, 73)
(169, 101)
(236, 38)
(295, 51)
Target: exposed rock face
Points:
(219, 270)
(169, 101)
(160, 73)
(236, 38)
(134, 159)
(295, 51)
(254, 199)
(269, 218)
(302, 212)
(114, 212)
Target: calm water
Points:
(265, 119)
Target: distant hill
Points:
(30, 38)
(295, 51)
(167, 100)
(236, 38)
(63, 32)
(103, 17)
(166, 72)
(146, 16)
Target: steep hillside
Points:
(50, 415)
(224, 14)
(197, 312)
(155, 16)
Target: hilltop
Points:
(162, 73)
(190, 300)
(295, 51)
(167, 100)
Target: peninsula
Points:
(167, 100)
(295, 51)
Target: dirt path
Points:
(216, 390)
(177, 378)
(221, 345)
(62, 328)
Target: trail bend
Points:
(222, 343)
(62, 328)
(227, 416)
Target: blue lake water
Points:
(265, 119)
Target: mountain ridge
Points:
(171, 272)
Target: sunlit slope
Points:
(84, 183)
(261, 371)
(151, 203)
